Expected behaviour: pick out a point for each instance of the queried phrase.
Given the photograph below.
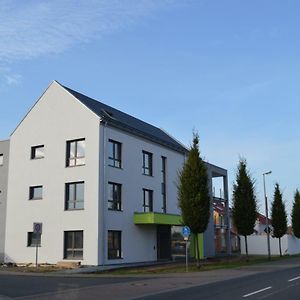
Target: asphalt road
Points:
(274, 280)
(15, 286)
(283, 284)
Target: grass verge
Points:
(207, 265)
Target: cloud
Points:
(13, 79)
(35, 28)
(30, 29)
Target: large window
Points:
(74, 195)
(163, 184)
(75, 153)
(33, 239)
(148, 200)
(35, 192)
(114, 153)
(73, 247)
(1, 159)
(114, 244)
(37, 152)
(147, 163)
(114, 196)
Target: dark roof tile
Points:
(128, 123)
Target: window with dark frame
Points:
(37, 152)
(33, 239)
(163, 184)
(114, 244)
(36, 192)
(148, 200)
(114, 154)
(75, 153)
(147, 163)
(73, 244)
(114, 196)
(74, 195)
(1, 159)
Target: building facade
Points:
(4, 161)
(102, 183)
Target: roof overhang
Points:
(156, 218)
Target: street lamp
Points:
(267, 215)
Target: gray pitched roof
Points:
(125, 122)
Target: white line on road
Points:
(293, 279)
(256, 292)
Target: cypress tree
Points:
(244, 211)
(193, 193)
(296, 214)
(278, 215)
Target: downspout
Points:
(104, 176)
(227, 211)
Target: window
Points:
(148, 200)
(73, 246)
(35, 192)
(1, 159)
(76, 153)
(114, 196)
(163, 184)
(114, 153)
(74, 195)
(33, 239)
(147, 163)
(37, 152)
(114, 244)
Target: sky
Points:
(228, 69)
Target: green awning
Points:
(156, 218)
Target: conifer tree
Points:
(244, 211)
(278, 215)
(193, 193)
(296, 215)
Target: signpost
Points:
(37, 231)
(186, 233)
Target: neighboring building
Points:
(261, 225)
(102, 183)
(4, 159)
(221, 227)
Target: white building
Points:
(102, 183)
(4, 159)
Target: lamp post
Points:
(267, 215)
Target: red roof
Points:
(262, 219)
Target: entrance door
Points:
(163, 242)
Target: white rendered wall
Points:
(293, 244)
(56, 118)
(4, 149)
(257, 245)
(139, 241)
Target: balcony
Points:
(156, 218)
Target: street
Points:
(274, 285)
(273, 280)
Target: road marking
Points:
(256, 292)
(293, 279)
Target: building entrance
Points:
(163, 242)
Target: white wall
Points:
(56, 118)
(257, 245)
(293, 244)
(4, 149)
(139, 241)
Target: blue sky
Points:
(230, 69)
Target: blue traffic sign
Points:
(186, 231)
